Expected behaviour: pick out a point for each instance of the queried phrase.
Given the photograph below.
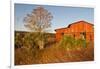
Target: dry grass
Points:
(53, 53)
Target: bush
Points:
(69, 42)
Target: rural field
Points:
(28, 52)
(52, 34)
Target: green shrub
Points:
(69, 42)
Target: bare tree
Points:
(39, 21)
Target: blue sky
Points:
(62, 15)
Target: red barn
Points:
(80, 29)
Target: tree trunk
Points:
(41, 44)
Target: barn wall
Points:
(76, 30)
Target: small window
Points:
(62, 33)
(74, 35)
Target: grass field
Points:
(27, 51)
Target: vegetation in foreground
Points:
(67, 50)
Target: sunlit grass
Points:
(66, 50)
